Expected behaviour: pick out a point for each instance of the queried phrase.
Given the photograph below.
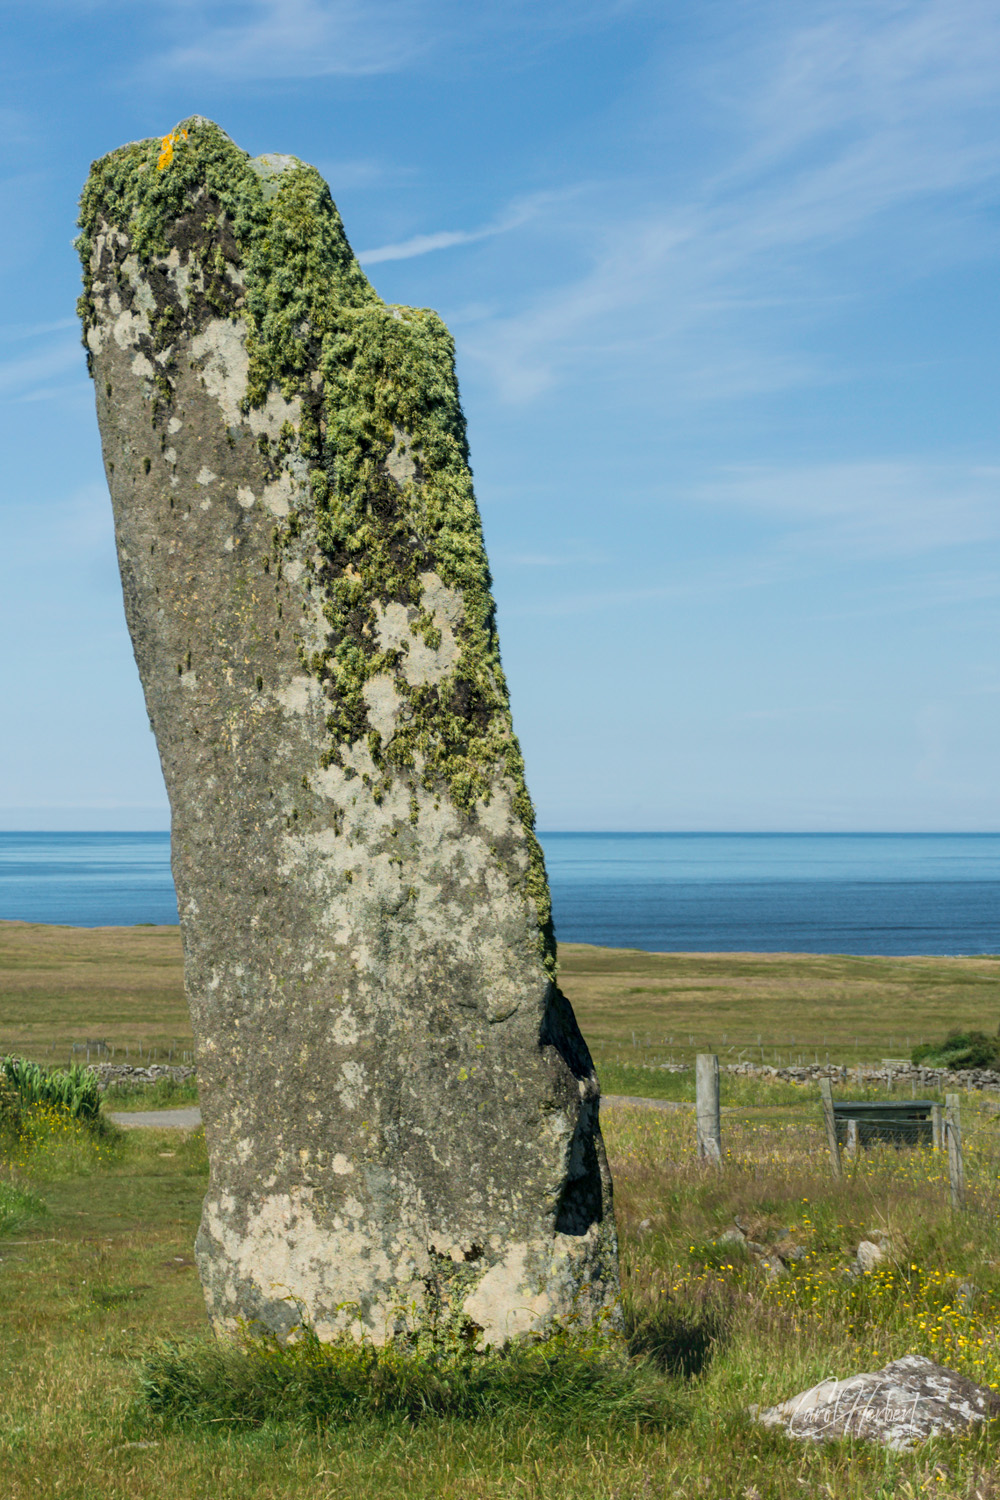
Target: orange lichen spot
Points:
(167, 148)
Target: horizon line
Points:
(629, 832)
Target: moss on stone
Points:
(386, 375)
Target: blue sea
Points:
(695, 892)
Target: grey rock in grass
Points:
(401, 1113)
(901, 1405)
(769, 1261)
(869, 1255)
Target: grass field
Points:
(96, 1272)
(780, 1007)
(65, 985)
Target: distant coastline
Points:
(862, 893)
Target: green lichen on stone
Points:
(387, 382)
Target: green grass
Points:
(772, 1007)
(18, 1207)
(66, 985)
(113, 1387)
(165, 1093)
(743, 1092)
(253, 1380)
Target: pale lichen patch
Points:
(299, 696)
(384, 703)
(220, 354)
(278, 495)
(399, 460)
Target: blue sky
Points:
(723, 280)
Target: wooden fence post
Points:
(852, 1147)
(830, 1121)
(937, 1127)
(707, 1115)
(953, 1135)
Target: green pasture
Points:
(61, 987)
(111, 1385)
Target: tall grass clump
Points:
(51, 1124)
(18, 1207)
(163, 1093)
(74, 1089)
(255, 1378)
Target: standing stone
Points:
(401, 1113)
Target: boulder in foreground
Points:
(901, 1405)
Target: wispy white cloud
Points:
(361, 172)
(938, 523)
(422, 244)
(12, 332)
(294, 38)
(514, 217)
(867, 510)
(573, 554)
(834, 125)
(74, 526)
(318, 38)
(21, 378)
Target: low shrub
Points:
(49, 1142)
(255, 1378)
(960, 1051)
(10, 1107)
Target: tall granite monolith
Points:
(401, 1113)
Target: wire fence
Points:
(98, 1050)
(956, 1142)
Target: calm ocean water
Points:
(807, 893)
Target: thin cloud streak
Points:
(320, 38)
(840, 130)
(831, 519)
(868, 510)
(422, 244)
(19, 376)
(521, 212)
(12, 332)
(302, 39)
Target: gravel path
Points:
(189, 1119)
(159, 1119)
(646, 1103)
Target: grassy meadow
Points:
(111, 1386)
(98, 1288)
(61, 986)
(641, 1008)
(66, 985)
